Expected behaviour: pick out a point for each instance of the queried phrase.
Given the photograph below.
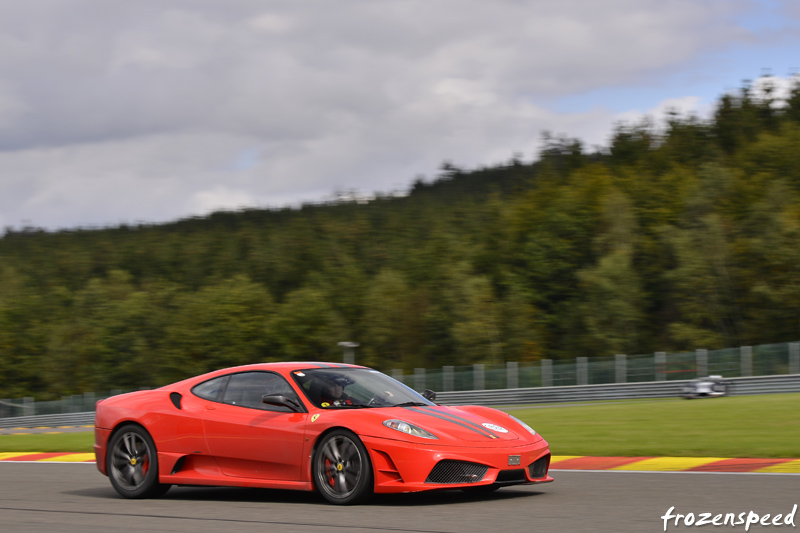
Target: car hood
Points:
(457, 424)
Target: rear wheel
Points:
(341, 468)
(132, 463)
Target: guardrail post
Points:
(661, 366)
(28, 406)
(547, 372)
(88, 401)
(397, 373)
(621, 368)
(419, 379)
(512, 375)
(582, 370)
(747, 360)
(794, 357)
(447, 378)
(478, 377)
(702, 362)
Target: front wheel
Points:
(132, 463)
(341, 468)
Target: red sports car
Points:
(344, 430)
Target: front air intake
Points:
(511, 476)
(452, 472)
(538, 468)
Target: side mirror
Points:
(429, 395)
(281, 401)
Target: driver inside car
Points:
(332, 393)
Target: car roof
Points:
(291, 365)
(281, 367)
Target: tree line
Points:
(674, 237)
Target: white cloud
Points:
(11, 107)
(685, 106)
(270, 23)
(220, 198)
(777, 88)
(143, 111)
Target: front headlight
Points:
(408, 429)
(523, 424)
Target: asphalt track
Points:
(76, 497)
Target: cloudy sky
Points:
(122, 112)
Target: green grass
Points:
(80, 442)
(739, 426)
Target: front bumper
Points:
(101, 437)
(406, 467)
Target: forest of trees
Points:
(672, 238)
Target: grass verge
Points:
(738, 426)
(80, 442)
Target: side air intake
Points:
(175, 398)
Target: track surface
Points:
(75, 497)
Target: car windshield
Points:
(353, 388)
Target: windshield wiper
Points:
(411, 404)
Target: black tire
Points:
(132, 464)
(341, 468)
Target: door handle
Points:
(210, 407)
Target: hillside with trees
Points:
(672, 238)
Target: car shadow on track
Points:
(235, 494)
(448, 497)
(221, 494)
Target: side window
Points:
(247, 388)
(211, 389)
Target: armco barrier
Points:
(49, 421)
(580, 393)
(612, 391)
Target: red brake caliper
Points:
(331, 480)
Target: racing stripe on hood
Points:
(466, 420)
(449, 418)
